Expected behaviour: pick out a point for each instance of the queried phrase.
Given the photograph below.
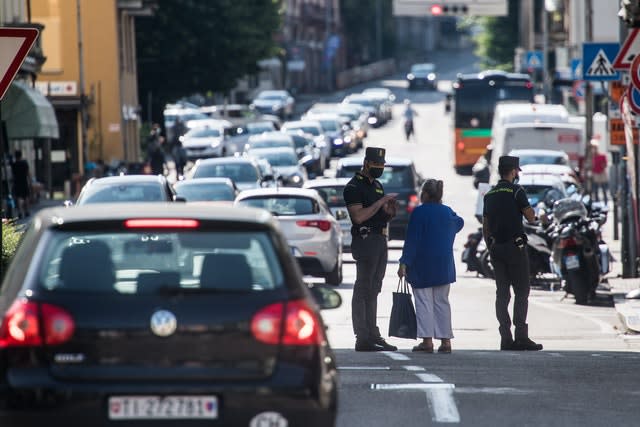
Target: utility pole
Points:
(545, 53)
(83, 97)
(589, 101)
(326, 54)
(378, 30)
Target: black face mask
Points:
(375, 172)
(516, 179)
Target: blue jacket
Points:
(428, 247)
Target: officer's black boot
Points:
(506, 344)
(385, 345)
(525, 344)
(368, 346)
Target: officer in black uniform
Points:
(370, 211)
(504, 206)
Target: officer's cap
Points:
(507, 163)
(375, 154)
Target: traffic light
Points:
(630, 13)
(449, 9)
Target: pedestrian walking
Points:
(504, 206)
(427, 263)
(21, 184)
(370, 211)
(179, 155)
(600, 177)
(409, 114)
(155, 151)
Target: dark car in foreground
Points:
(172, 314)
(399, 176)
(127, 189)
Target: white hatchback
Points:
(331, 190)
(313, 233)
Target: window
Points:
(332, 195)
(283, 205)
(238, 172)
(123, 193)
(150, 263)
(195, 192)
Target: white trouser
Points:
(433, 312)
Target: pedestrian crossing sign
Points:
(597, 61)
(534, 60)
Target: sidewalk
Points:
(628, 309)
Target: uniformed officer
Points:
(504, 206)
(370, 211)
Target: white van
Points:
(567, 137)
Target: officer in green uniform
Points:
(370, 211)
(504, 206)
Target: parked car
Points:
(399, 176)
(166, 314)
(567, 175)
(285, 163)
(276, 102)
(243, 171)
(126, 189)
(313, 233)
(207, 190)
(422, 76)
(204, 142)
(331, 192)
(311, 127)
(537, 185)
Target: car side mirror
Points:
(179, 199)
(67, 203)
(325, 297)
(341, 214)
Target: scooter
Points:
(471, 254)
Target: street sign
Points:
(616, 124)
(578, 89)
(633, 95)
(628, 51)
(635, 72)
(534, 60)
(576, 69)
(597, 59)
(15, 44)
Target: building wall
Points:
(101, 66)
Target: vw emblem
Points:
(163, 323)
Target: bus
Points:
(474, 99)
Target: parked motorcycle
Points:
(578, 252)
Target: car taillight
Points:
(460, 146)
(322, 224)
(162, 223)
(414, 202)
(567, 243)
(291, 323)
(23, 323)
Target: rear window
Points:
(155, 262)
(122, 193)
(313, 130)
(205, 192)
(269, 143)
(238, 172)
(536, 193)
(283, 205)
(332, 195)
(542, 160)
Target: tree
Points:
(498, 41)
(191, 46)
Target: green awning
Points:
(28, 114)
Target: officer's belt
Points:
(356, 231)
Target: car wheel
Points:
(334, 278)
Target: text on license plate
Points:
(163, 407)
(572, 262)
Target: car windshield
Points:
(238, 172)
(280, 159)
(332, 195)
(300, 141)
(423, 68)
(193, 116)
(360, 101)
(269, 143)
(283, 205)
(122, 193)
(536, 193)
(528, 159)
(203, 133)
(313, 130)
(329, 125)
(150, 262)
(272, 96)
(194, 192)
(258, 128)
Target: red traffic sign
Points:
(15, 44)
(633, 96)
(634, 71)
(628, 51)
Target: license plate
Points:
(163, 407)
(572, 262)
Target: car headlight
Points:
(338, 141)
(410, 76)
(295, 179)
(215, 144)
(276, 107)
(372, 120)
(431, 76)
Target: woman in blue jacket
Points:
(427, 263)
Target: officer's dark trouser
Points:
(511, 266)
(371, 262)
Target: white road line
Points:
(364, 368)
(439, 395)
(396, 356)
(413, 368)
(492, 390)
(429, 378)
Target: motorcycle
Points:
(579, 255)
(476, 255)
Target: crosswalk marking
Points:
(414, 368)
(396, 356)
(429, 378)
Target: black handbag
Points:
(402, 323)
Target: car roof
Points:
(205, 181)
(279, 191)
(297, 123)
(277, 135)
(327, 182)
(128, 179)
(537, 152)
(377, 89)
(123, 211)
(272, 150)
(540, 179)
(226, 161)
(544, 168)
(390, 161)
